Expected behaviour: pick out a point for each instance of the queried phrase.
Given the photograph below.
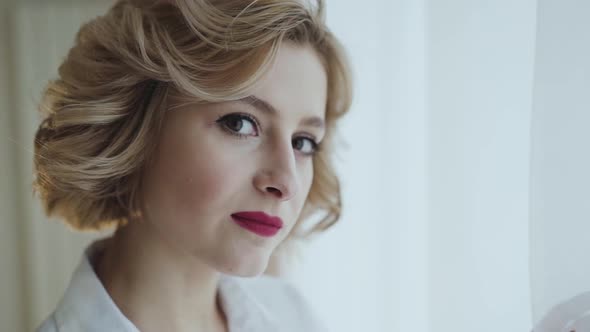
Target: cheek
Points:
(193, 181)
(307, 179)
(204, 181)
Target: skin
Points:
(162, 271)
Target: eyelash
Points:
(244, 116)
(221, 122)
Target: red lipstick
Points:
(258, 222)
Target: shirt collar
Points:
(242, 309)
(86, 305)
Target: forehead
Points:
(296, 83)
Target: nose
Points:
(278, 174)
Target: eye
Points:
(239, 124)
(306, 145)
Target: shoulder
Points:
(82, 300)
(279, 299)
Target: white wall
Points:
(560, 184)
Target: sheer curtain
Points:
(463, 170)
(560, 194)
(435, 232)
(39, 255)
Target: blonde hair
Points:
(104, 112)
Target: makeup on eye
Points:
(314, 146)
(243, 125)
(234, 123)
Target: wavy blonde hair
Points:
(104, 113)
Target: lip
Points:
(258, 222)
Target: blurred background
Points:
(466, 176)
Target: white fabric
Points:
(258, 304)
(570, 315)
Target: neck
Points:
(156, 286)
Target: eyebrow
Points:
(312, 121)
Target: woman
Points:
(201, 130)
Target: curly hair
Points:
(103, 114)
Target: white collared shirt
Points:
(258, 304)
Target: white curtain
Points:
(39, 255)
(560, 179)
(463, 175)
(435, 234)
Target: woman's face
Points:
(216, 160)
